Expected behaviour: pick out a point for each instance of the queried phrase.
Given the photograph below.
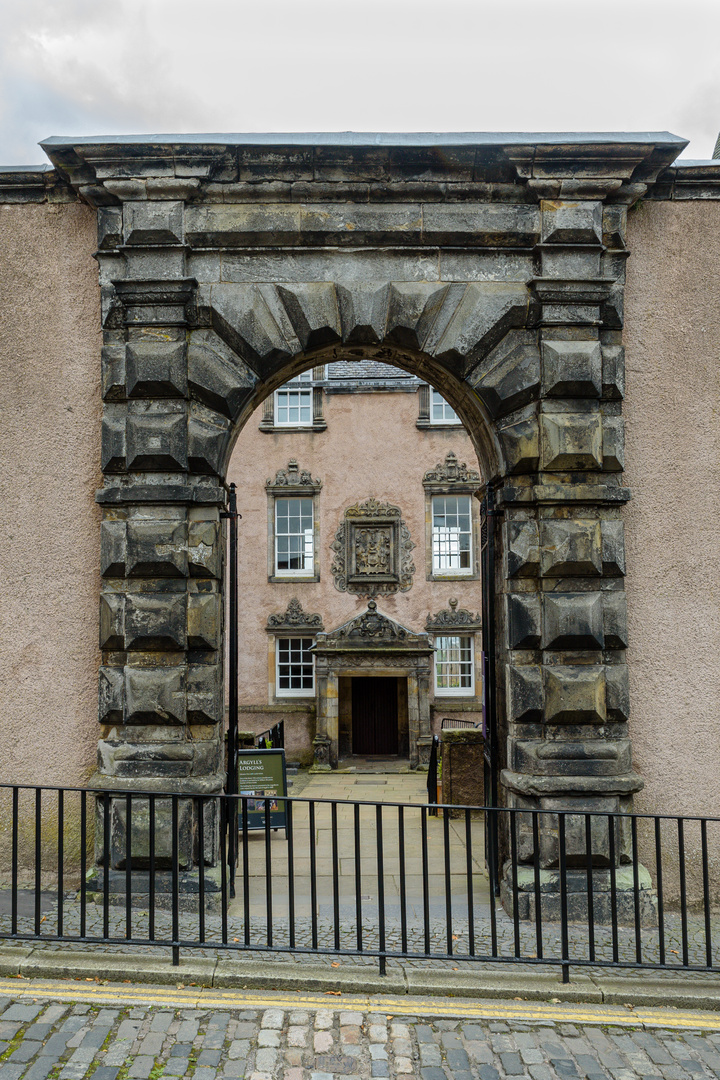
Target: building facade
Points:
(560, 292)
(357, 492)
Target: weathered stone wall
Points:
(672, 523)
(462, 756)
(50, 411)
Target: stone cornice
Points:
(107, 171)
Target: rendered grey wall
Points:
(50, 409)
(672, 523)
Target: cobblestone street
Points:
(42, 1039)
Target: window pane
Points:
(451, 533)
(293, 406)
(294, 536)
(295, 671)
(442, 413)
(453, 665)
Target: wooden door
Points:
(374, 716)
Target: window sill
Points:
(271, 428)
(453, 577)
(434, 425)
(469, 703)
(290, 579)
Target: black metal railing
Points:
(383, 880)
(273, 738)
(433, 776)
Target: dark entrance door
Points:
(374, 716)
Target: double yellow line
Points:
(191, 997)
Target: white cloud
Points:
(80, 67)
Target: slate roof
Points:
(365, 374)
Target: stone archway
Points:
(495, 270)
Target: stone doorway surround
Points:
(371, 645)
(491, 266)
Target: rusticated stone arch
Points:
(496, 273)
(450, 336)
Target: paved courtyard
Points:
(51, 1038)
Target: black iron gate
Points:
(490, 732)
(231, 783)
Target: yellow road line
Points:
(405, 1005)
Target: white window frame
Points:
(308, 570)
(449, 416)
(301, 387)
(284, 692)
(455, 691)
(450, 537)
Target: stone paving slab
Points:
(304, 1038)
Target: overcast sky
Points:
(95, 67)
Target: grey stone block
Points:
(521, 444)
(523, 620)
(313, 313)
(113, 373)
(26, 1050)
(111, 695)
(204, 620)
(112, 621)
(363, 312)
(156, 369)
(155, 621)
(571, 441)
(575, 695)
(570, 548)
(40, 1069)
(113, 442)
(572, 368)
(208, 436)
(571, 222)
(613, 443)
(112, 548)
(204, 693)
(216, 376)
(615, 620)
(157, 436)
(204, 548)
(525, 693)
(573, 620)
(140, 833)
(156, 548)
(149, 222)
(523, 551)
(510, 377)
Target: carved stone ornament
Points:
(372, 550)
(294, 477)
(451, 471)
(453, 618)
(295, 618)
(371, 625)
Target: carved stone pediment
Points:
(294, 618)
(372, 550)
(451, 471)
(453, 618)
(372, 632)
(371, 625)
(295, 478)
